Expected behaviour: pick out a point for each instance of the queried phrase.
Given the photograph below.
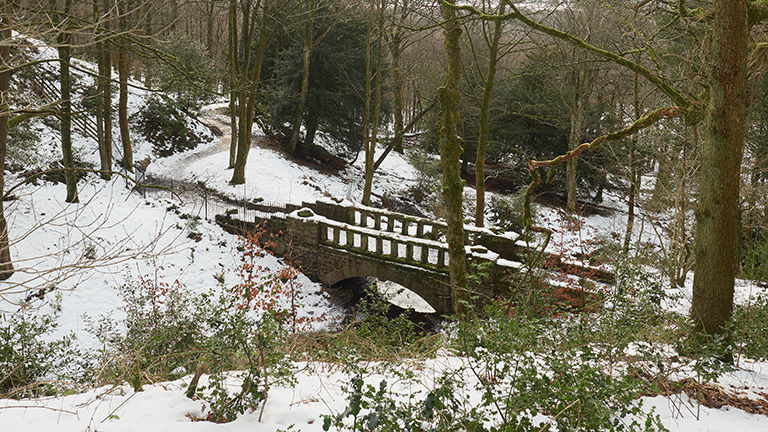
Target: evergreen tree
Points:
(335, 97)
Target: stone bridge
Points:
(333, 240)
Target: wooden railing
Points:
(385, 244)
(80, 119)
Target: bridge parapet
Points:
(509, 243)
(390, 245)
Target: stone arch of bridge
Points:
(432, 287)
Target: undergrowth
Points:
(511, 366)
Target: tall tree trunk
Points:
(233, 83)
(574, 140)
(371, 123)
(634, 178)
(309, 40)
(6, 265)
(65, 112)
(122, 109)
(247, 99)
(243, 60)
(210, 17)
(450, 155)
(99, 99)
(485, 108)
(396, 49)
(717, 216)
(311, 129)
(105, 83)
(148, 32)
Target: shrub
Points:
(31, 366)
(755, 261)
(22, 146)
(162, 338)
(171, 332)
(165, 126)
(748, 328)
(507, 211)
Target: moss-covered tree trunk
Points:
(64, 39)
(6, 265)
(122, 107)
(368, 174)
(484, 120)
(450, 161)
(370, 149)
(717, 216)
(634, 177)
(574, 140)
(105, 92)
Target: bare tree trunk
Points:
(574, 140)
(634, 178)
(309, 40)
(368, 180)
(105, 83)
(397, 86)
(147, 17)
(64, 38)
(6, 265)
(717, 216)
(232, 39)
(485, 108)
(450, 160)
(122, 109)
(370, 150)
(210, 18)
(247, 96)
(99, 99)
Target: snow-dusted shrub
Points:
(248, 328)
(22, 146)
(165, 126)
(507, 211)
(162, 337)
(510, 373)
(30, 363)
(525, 366)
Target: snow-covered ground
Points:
(86, 251)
